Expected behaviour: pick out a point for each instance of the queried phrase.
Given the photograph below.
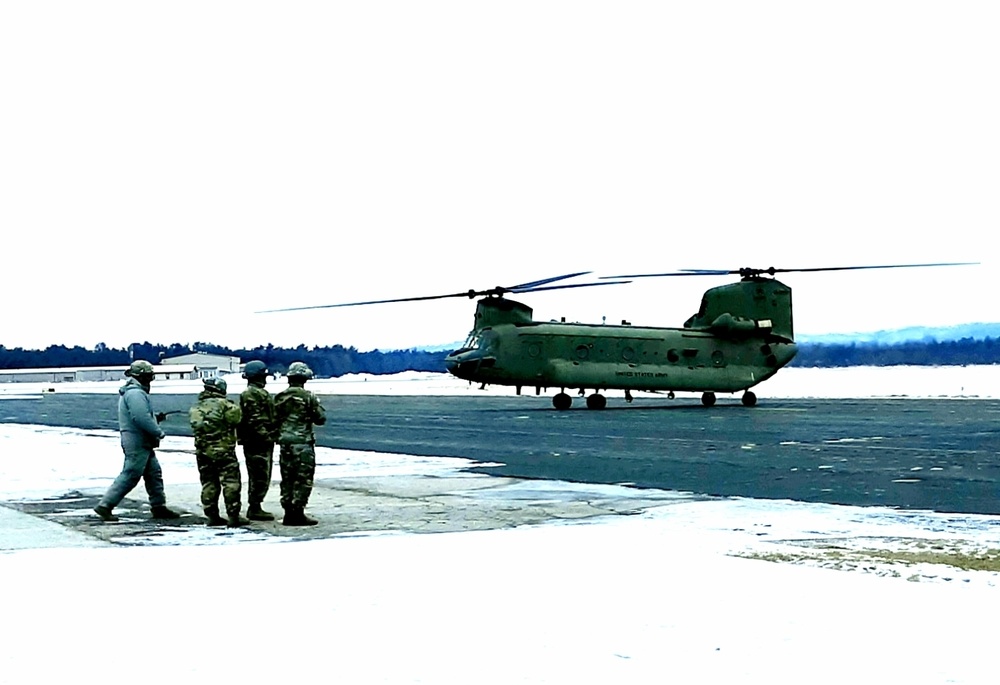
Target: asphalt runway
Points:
(942, 455)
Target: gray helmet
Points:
(140, 367)
(215, 384)
(299, 370)
(254, 369)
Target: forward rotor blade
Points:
(571, 285)
(531, 286)
(544, 281)
(470, 294)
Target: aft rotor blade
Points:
(673, 273)
(854, 268)
(770, 271)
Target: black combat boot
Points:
(105, 514)
(162, 512)
(255, 513)
(214, 520)
(295, 516)
(306, 521)
(236, 521)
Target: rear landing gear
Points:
(562, 401)
(749, 399)
(596, 401)
(708, 399)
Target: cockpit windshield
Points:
(478, 340)
(472, 342)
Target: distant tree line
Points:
(916, 353)
(336, 360)
(326, 362)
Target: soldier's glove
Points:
(161, 416)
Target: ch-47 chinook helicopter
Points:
(741, 335)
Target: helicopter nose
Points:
(465, 364)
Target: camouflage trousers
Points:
(298, 466)
(260, 461)
(140, 464)
(220, 473)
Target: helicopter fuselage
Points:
(603, 357)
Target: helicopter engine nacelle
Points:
(737, 326)
(745, 306)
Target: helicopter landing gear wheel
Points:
(708, 399)
(671, 395)
(596, 401)
(562, 401)
(749, 399)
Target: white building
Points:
(94, 373)
(205, 365)
(63, 375)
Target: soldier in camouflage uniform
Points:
(297, 410)
(257, 433)
(214, 420)
(140, 436)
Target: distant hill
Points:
(966, 331)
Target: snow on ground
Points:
(687, 590)
(981, 381)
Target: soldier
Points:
(214, 420)
(140, 435)
(297, 411)
(257, 433)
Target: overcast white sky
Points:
(168, 170)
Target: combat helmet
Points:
(255, 369)
(299, 370)
(218, 384)
(140, 367)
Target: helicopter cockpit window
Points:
(478, 340)
(472, 342)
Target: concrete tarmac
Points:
(936, 454)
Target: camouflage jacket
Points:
(297, 411)
(214, 420)
(257, 427)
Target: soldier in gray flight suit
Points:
(140, 435)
